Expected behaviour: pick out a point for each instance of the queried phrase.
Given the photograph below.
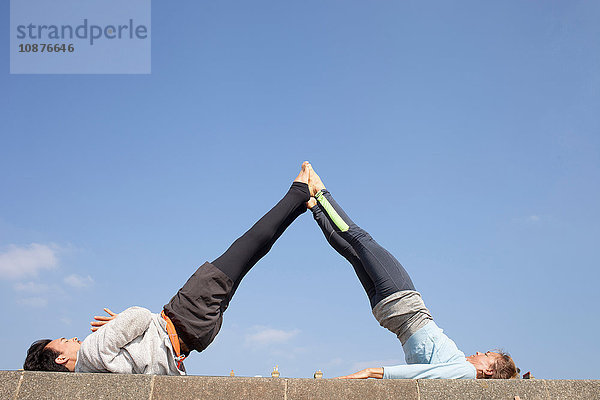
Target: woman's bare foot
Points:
(304, 174)
(311, 203)
(314, 182)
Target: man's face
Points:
(484, 361)
(68, 349)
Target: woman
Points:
(397, 305)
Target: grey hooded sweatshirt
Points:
(135, 342)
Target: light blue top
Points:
(430, 354)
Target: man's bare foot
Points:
(314, 182)
(311, 203)
(304, 173)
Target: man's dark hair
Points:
(41, 358)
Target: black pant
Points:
(197, 308)
(377, 269)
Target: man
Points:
(140, 342)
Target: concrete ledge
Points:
(57, 385)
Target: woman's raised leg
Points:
(386, 273)
(344, 249)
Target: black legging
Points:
(378, 271)
(241, 256)
(197, 308)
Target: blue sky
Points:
(464, 137)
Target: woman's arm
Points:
(364, 374)
(452, 370)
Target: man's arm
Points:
(126, 326)
(99, 350)
(100, 320)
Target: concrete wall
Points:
(53, 385)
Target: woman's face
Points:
(484, 362)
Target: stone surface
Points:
(8, 383)
(430, 389)
(216, 387)
(332, 389)
(68, 385)
(56, 385)
(583, 389)
(534, 389)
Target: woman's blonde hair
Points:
(504, 368)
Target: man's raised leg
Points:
(245, 252)
(197, 308)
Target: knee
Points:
(359, 235)
(259, 238)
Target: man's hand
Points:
(101, 321)
(364, 374)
